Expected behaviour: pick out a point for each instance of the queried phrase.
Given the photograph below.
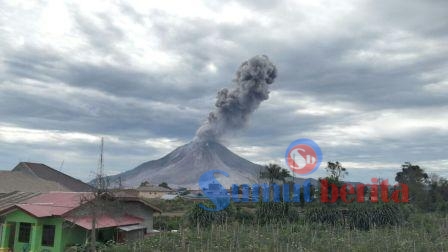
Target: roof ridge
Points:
(57, 172)
(29, 168)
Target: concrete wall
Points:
(151, 195)
(140, 210)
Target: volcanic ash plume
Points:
(234, 107)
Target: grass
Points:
(422, 232)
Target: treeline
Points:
(425, 194)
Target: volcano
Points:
(183, 167)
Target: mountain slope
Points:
(184, 166)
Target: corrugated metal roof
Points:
(53, 203)
(105, 221)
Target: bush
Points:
(199, 216)
(360, 216)
(275, 212)
(166, 223)
(242, 215)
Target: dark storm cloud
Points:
(376, 58)
(96, 115)
(35, 63)
(316, 66)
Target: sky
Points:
(366, 80)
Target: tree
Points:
(437, 198)
(144, 183)
(412, 174)
(417, 180)
(164, 185)
(274, 172)
(335, 172)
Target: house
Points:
(152, 191)
(56, 221)
(47, 173)
(11, 181)
(125, 193)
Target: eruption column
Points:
(234, 107)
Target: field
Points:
(419, 232)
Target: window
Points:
(48, 235)
(24, 232)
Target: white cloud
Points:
(319, 41)
(163, 144)
(302, 104)
(383, 124)
(437, 88)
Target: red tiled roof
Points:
(105, 221)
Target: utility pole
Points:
(99, 190)
(100, 183)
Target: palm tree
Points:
(274, 172)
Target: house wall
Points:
(134, 235)
(151, 195)
(17, 217)
(140, 210)
(60, 240)
(73, 235)
(36, 231)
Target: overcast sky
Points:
(366, 80)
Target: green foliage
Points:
(324, 214)
(275, 212)
(271, 212)
(243, 215)
(274, 172)
(359, 216)
(144, 183)
(164, 185)
(335, 172)
(411, 175)
(428, 194)
(368, 215)
(423, 232)
(167, 223)
(416, 180)
(197, 216)
(437, 196)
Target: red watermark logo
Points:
(303, 156)
(348, 193)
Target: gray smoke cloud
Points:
(234, 107)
